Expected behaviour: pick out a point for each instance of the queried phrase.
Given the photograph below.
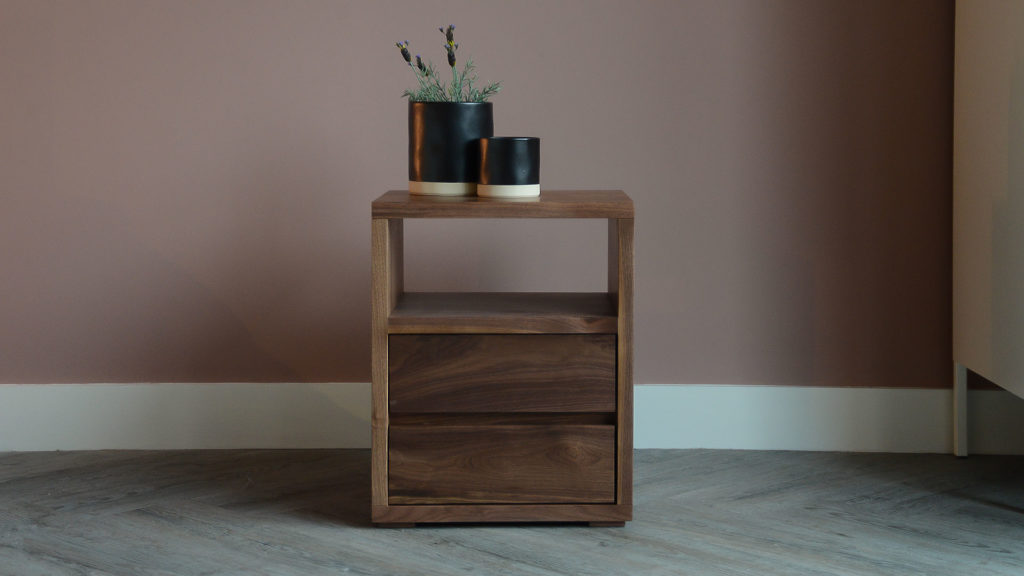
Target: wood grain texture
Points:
(501, 373)
(386, 287)
(501, 464)
(624, 294)
(613, 267)
(504, 418)
(395, 263)
(550, 204)
(487, 513)
(504, 313)
(307, 513)
(439, 377)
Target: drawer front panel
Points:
(501, 373)
(501, 464)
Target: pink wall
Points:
(185, 186)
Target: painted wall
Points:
(185, 186)
(988, 183)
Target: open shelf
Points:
(503, 313)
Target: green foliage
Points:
(460, 88)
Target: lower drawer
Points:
(507, 464)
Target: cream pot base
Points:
(508, 190)
(442, 188)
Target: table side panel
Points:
(380, 309)
(624, 232)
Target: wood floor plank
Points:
(292, 512)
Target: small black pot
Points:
(444, 150)
(509, 167)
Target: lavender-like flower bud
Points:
(404, 47)
(419, 64)
(451, 54)
(449, 34)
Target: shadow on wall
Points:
(835, 274)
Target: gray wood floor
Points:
(698, 512)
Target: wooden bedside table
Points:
(502, 407)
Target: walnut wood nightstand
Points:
(502, 407)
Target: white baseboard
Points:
(183, 416)
(239, 415)
(823, 419)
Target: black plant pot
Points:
(444, 146)
(509, 167)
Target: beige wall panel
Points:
(988, 183)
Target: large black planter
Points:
(444, 146)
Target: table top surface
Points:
(550, 204)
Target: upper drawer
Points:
(501, 373)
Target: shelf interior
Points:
(504, 313)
